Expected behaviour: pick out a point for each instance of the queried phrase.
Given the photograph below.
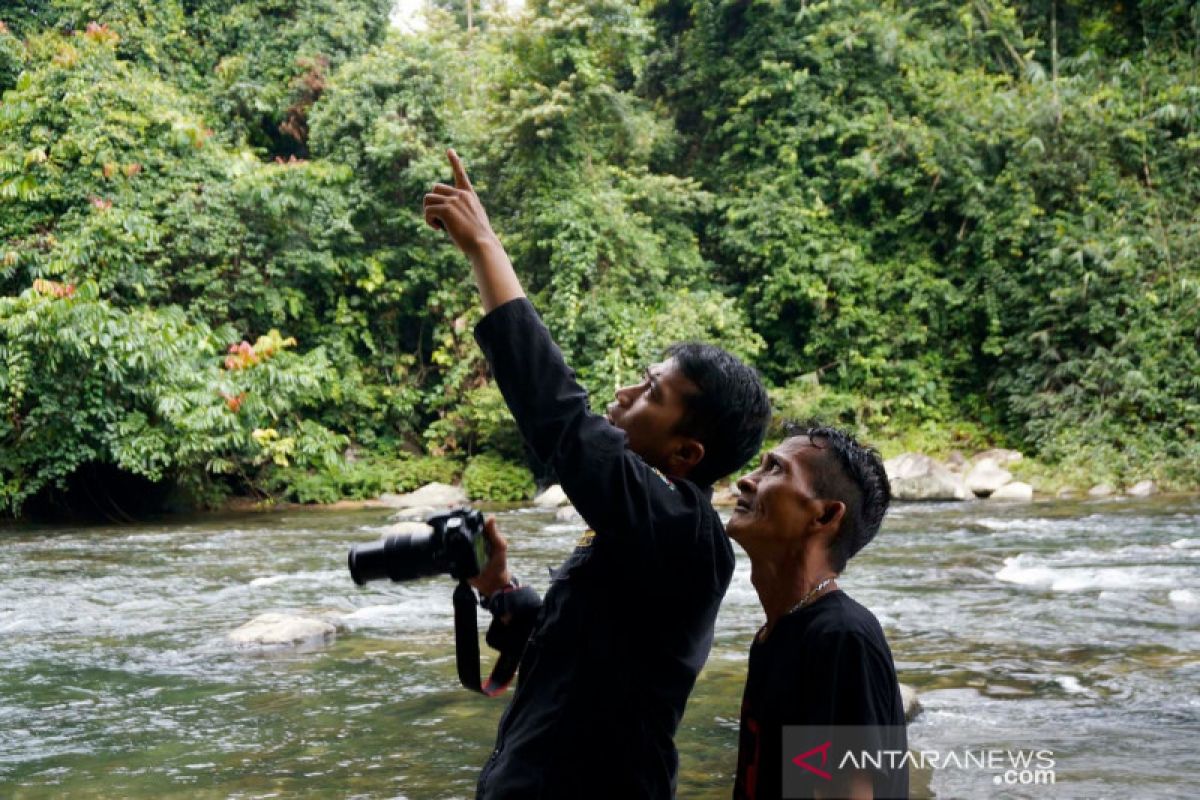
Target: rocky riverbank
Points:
(987, 475)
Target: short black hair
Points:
(857, 479)
(729, 414)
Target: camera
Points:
(455, 546)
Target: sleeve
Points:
(613, 489)
(523, 606)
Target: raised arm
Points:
(610, 486)
(456, 209)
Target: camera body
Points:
(455, 546)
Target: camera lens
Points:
(401, 558)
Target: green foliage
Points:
(148, 391)
(947, 209)
(12, 58)
(807, 400)
(615, 339)
(480, 422)
(360, 479)
(257, 65)
(945, 225)
(492, 478)
(91, 148)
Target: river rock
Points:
(1143, 489)
(1101, 490)
(406, 526)
(552, 497)
(415, 514)
(432, 495)
(567, 514)
(1013, 491)
(274, 630)
(914, 476)
(912, 704)
(725, 496)
(1001, 456)
(986, 477)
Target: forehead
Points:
(801, 452)
(796, 447)
(671, 379)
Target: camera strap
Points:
(509, 639)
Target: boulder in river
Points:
(726, 495)
(986, 476)
(552, 497)
(912, 704)
(277, 630)
(406, 526)
(1143, 489)
(1001, 456)
(1013, 491)
(432, 495)
(567, 513)
(415, 514)
(1101, 490)
(914, 476)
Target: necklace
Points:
(809, 596)
(812, 593)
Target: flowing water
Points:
(1067, 627)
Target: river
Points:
(1066, 627)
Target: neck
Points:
(784, 579)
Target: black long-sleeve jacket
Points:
(628, 619)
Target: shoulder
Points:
(839, 623)
(840, 614)
(688, 534)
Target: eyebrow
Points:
(782, 461)
(653, 381)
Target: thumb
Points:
(461, 181)
(492, 534)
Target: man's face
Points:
(650, 411)
(777, 500)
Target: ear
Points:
(687, 454)
(829, 518)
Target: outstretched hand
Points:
(495, 575)
(456, 209)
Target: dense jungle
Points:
(947, 225)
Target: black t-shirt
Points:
(628, 619)
(826, 665)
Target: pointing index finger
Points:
(461, 181)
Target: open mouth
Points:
(742, 504)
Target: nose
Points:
(747, 483)
(625, 395)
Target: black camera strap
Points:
(509, 638)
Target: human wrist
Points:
(482, 247)
(493, 584)
(509, 583)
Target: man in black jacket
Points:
(627, 622)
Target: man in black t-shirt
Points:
(628, 619)
(821, 712)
